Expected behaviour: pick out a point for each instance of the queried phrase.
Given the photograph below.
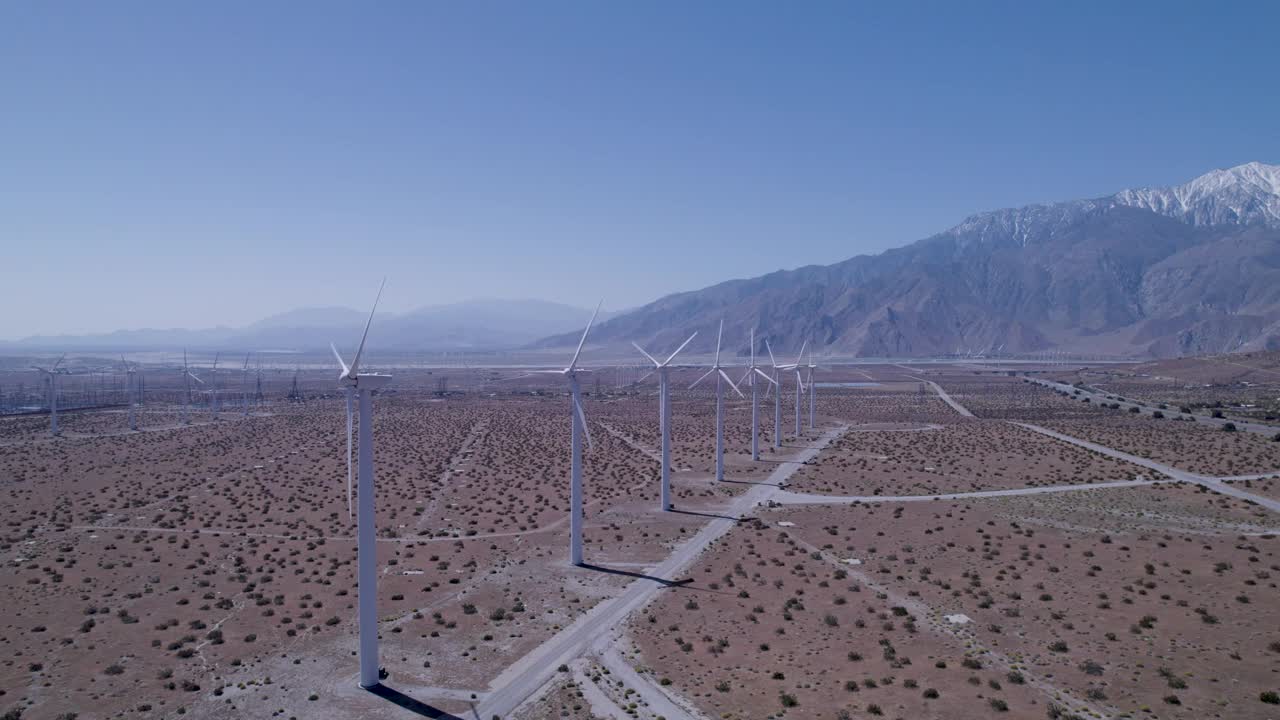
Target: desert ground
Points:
(915, 554)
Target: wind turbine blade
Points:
(574, 362)
(645, 377)
(719, 335)
(753, 347)
(744, 377)
(800, 357)
(766, 345)
(799, 380)
(704, 377)
(64, 357)
(642, 352)
(735, 387)
(184, 361)
(765, 375)
(341, 363)
(195, 377)
(355, 364)
(582, 418)
(677, 352)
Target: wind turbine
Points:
(578, 420)
(244, 385)
(721, 377)
(52, 375)
(752, 372)
(799, 383)
(187, 377)
(777, 399)
(216, 404)
(664, 416)
(130, 373)
(363, 385)
(813, 392)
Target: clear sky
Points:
(170, 164)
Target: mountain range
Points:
(1168, 271)
(473, 325)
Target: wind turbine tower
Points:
(664, 417)
(244, 386)
(799, 383)
(130, 373)
(752, 372)
(578, 421)
(187, 377)
(363, 386)
(51, 375)
(721, 378)
(813, 391)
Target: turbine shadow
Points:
(414, 706)
(709, 515)
(641, 576)
(750, 482)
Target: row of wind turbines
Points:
(360, 388)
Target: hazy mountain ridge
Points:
(472, 325)
(1184, 269)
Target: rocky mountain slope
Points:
(1170, 271)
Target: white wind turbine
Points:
(813, 389)
(799, 383)
(244, 386)
(752, 372)
(131, 374)
(216, 402)
(721, 378)
(664, 416)
(363, 385)
(578, 420)
(52, 376)
(777, 399)
(187, 377)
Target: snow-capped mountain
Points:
(1243, 195)
(1160, 271)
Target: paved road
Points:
(1212, 483)
(964, 411)
(1100, 397)
(523, 678)
(793, 498)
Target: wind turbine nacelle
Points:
(366, 382)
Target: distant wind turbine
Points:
(752, 372)
(187, 377)
(664, 416)
(799, 383)
(131, 375)
(51, 374)
(721, 377)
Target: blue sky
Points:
(191, 164)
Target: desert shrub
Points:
(999, 705)
(1270, 697)
(1228, 427)
(788, 700)
(1058, 646)
(1089, 667)
(930, 694)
